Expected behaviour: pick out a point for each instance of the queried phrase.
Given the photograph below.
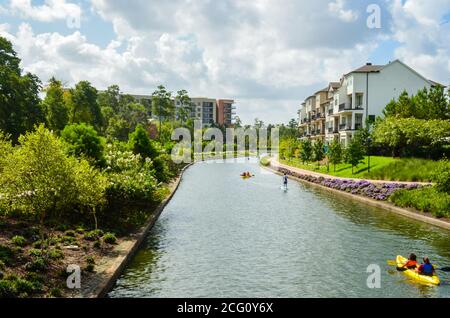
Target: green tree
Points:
(20, 107)
(84, 107)
(335, 153)
(355, 153)
(186, 107)
(162, 106)
(83, 141)
(307, 151)
(140, 143)
(318, 152)
(57, 114)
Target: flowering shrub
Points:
(380, 192)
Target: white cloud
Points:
(268, 55)
(338, 8)
(425, 42)
(50, 11)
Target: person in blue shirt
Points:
(426, 268)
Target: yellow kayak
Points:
(424, 279)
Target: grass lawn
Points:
(381, 168)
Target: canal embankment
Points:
(304, 176)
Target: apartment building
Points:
(226, 112)
(361, 94)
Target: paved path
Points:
(276, 164)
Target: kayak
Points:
(424, 279)
(245, 177)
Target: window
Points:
(372, 119)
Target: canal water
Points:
(222, 236)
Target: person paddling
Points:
(426, 268)
(411, 263)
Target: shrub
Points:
(90, 260)
(110, 238)
(427, 200)
(93, 235)
(140, 144)
(55, 293)
(442, 177)
(55, 254)
(37, 265)
(97, 244)
(35, 252)
(68, 240)
(2, 265)
(83, 141)
(6, 254)
(70, 233)
(19, 241)
(90, 268)
(7, 289)
(265, 161)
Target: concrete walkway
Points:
(276, 164)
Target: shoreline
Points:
(411, 214)
(110, 268)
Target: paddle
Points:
(443, 269)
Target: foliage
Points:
(426, 104)
(40, 180)
(20, 107)
(354, 153)
(425, 200)
(307, 151)
(140, 144)
(288, 147)
(265, 161)
(162, 106)
(186, 108)
(318, 151)
(335, 153)
(406, 135)
(56, 112)
(110, 238)
(83, 105)
(19, 241)
(84, 142)
(442, 176)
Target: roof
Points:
(368, 68)
(323, 90)
(334, 85)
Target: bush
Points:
(83, 141)
(97, 244)
(442, 177)
(35, 252)
(19, 241)
(265, 161)
(7, 289)
(110, 238)
(37, 265)
(6, 254)
(90, 268)
(140, 144)
(55, 254)
(427, 200)
(70, 233)
(93, 235)
(2, 265)
(55, 293)
(90, 260)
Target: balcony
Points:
(345, 127)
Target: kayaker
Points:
(411, 263)
(426, 268)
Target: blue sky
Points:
(266, 54)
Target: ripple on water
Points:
(222, 236)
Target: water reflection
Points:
(222, 236)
